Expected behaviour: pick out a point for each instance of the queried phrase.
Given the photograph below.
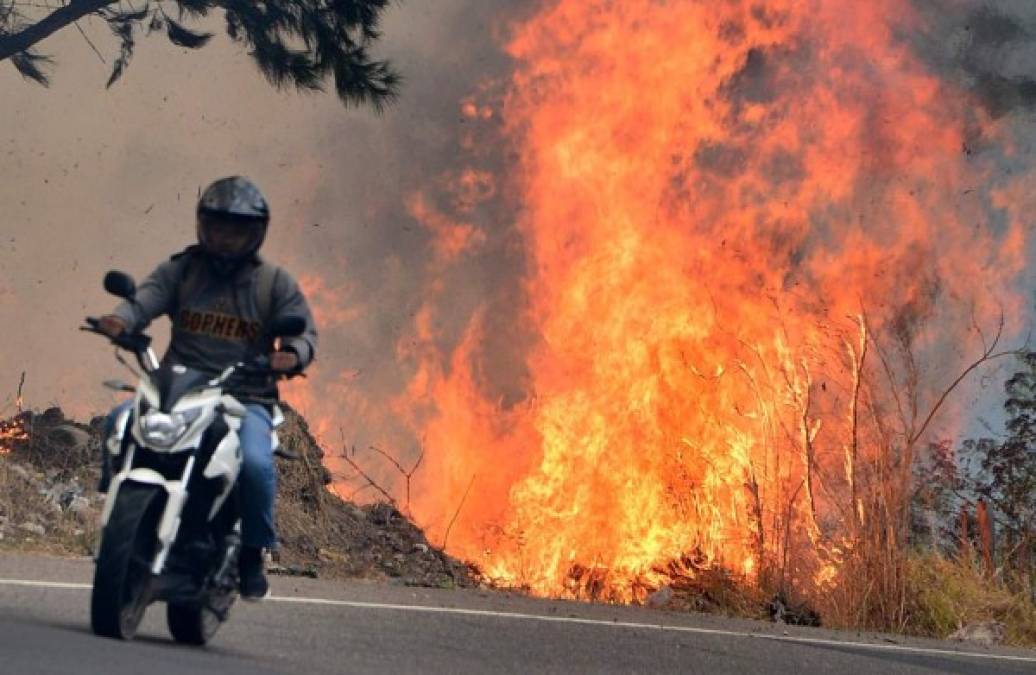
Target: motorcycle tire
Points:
(191, 625)
(122, 577)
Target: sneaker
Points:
(254, 585)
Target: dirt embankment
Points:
(49, 469)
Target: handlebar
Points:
(139, 344)
(133, 342)
(258, 366)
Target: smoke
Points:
(989, 47)
(97, 179)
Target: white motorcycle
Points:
(171, 521)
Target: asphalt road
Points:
(324, 627)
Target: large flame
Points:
(761, 240)
(725, 205)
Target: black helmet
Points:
(233, 206)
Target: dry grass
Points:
(24, 508)
(324, 534)
(943, 595)
(716, 591)
(320, 533)
(56, 460)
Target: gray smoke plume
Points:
(989, 46)
(97, 179)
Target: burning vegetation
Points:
(765, 243)
(13, 430)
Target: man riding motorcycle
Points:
(221, 297)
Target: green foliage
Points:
(1000, 471)
(936, 501)
(183, 37)
(30, 64)
(1009, 468)
(124, 31)
(334, 37)
(306, 44)
(1003, 473)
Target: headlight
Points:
(162, 431)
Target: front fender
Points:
(147, 477)
(176, 496)
(114, 440)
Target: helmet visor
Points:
(229, 237)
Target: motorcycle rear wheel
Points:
(122, 577)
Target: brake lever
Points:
(91, 325)
(129, 341)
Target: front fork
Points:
(116, 445)
(225, 580)
(111, 447)
(169, 522)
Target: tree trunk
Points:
(55, 21)
(965, 536)
(985, 531)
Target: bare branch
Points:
(389, 458)
(370, 481)
(420, 458)
(987, 355)
(858, 363)
(358, 469)
(18, 401)
(893, 385)
(978, 329)
(456, 513)
(89, 42)
(407, 475)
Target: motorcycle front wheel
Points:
(122, 577)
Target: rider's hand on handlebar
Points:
(111, 325)
(284, 362)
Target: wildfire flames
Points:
(754, 233)
(13, 430)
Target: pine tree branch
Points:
(26, 38)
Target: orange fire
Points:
(734, 214)
(759, 242)
(13, 430)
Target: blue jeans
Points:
(258, 479)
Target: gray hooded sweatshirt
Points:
(217, 319)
